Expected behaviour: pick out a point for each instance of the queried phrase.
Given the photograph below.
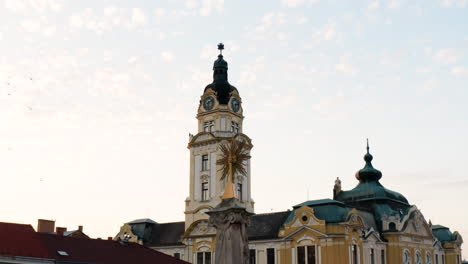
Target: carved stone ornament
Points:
(230, 219)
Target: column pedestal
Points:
(230, 219)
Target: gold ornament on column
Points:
(233, 155)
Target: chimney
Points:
(45, 226)
(80, 228)
(60, 230)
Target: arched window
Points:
(428, 258)
(406, 257)
(418, 258)
(392, 226)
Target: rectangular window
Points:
(382, 256)
(443, 259)
(252, 257)
(436, 258)
(354, 259)
(239, 191)
(270, 256)
(207, 258)
(234, 127)
(301, 255)
(208, 126)
(205, 191)
(204, 258)
(204, 164)
(200, 258)
(310, 254)
(306, 255)
(372, 257)
(177, 255)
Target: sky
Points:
(98, 98)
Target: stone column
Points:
(230, 219)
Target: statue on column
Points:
(230, 218)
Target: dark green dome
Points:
(220, 82)
(368, 173)
(369, 191)
(369, 188)
(220, 63)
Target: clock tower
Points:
(220, 117)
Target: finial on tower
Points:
(367, 145)
(220, 48)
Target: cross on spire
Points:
(220, 48)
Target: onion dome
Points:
(220, 82)
(368, 173)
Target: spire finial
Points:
(367, 145)
(220, 48)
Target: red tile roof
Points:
(22, 241)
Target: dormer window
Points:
(208, 126)
(234, 127)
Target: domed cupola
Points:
(369, 188)
(220, 83)
(368, 173)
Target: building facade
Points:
(369, 224)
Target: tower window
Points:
(208, 126)
(234, 127)
(204, 165)
(239, 191)
(204, 190)
(372, 256)
(382, 255)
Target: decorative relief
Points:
(202, 228)
(305, 238)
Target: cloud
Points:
(167, 56)
(110, 18)
(373, 5)
(345, 68)
(26, 6)
(138, 16)
(445, 56)
(296, 3)
(460, 71)
(249, 72)
(30, 25)
(393, 4)
(453, 3)
(209, 6)
(326, 33)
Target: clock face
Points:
(208, 103)
(235, 105)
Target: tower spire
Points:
(368, 173)
(220, 48)
(367, 145)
